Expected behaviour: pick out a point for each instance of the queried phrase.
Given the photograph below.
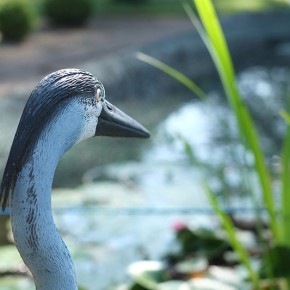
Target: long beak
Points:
(114, 122)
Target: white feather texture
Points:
(35, 234)
(65, 108)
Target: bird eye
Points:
(98, 95)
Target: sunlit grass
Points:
(219, 51)
(232, 236)
(285, 190)
(210, 30)
(177, 75)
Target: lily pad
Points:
(209, 284)
(226, 275)
(192, 266)
(137, 286)
(173, 285)
(202, 242)
(148, 273)
(277, 262)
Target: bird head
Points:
(56, 92)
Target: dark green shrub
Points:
(16, 19)
(68, 12)
(132, 1)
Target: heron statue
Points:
(66, 107)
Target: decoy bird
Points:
(65, 108)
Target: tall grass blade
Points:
(197, 24)
(173, 73)
(285, 188)
(285, 116)
(233, 238)
(220, 54)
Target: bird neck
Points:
(36, 236)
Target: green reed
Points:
(209, 29)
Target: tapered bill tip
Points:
(115, 123)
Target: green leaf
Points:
(148, 273)
(285, 189)
(188, 149)
(201, 242)
(276, 260)
(172, 285)
(173, 73)
(217, 46)
(192, 266)
(188, 240)
(137, 286)
(285, 116)
(233, 238)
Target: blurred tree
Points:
(68, 12)
(17, 19)
(132, 1)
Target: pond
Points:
(124, 212)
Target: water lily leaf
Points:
(173, 285)
(148, 273)
(201, 242)
(189, 241)
(192, 266)
(137, 286)
(212, 247)
(276, 262)
(226, 275)
(209, 284)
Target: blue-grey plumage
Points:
(65, 108)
